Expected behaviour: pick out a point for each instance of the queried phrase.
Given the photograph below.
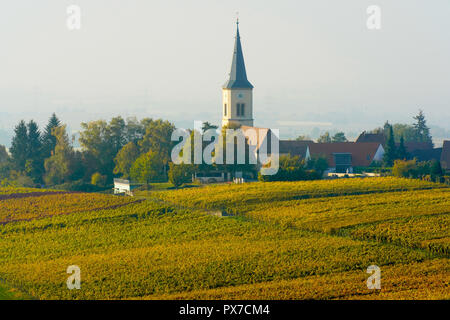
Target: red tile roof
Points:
(371, 137)
(294, 147)
(362, 152)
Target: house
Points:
(426, 155)
(344, 156)
(295, 148)
(445, 156)
(372, 137)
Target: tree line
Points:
(118, 148)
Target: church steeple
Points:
(237, 92)
(238, 75)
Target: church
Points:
(237, 112)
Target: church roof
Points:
(238, 75)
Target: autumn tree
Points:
(157, 139)
(125, 158)
(325, 138)
(147, 168)
(60, 166)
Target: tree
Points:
(97, 139)
(60, 166)
(19, 146)
(390, 152)
(4, 157)
(48, 139)
(404, 169)
(401, 151)
(303, 138)
(99, 180)
(404, 130)
(147, 168)
(339, 137)
(435, 169)
(4, 163)
(421, 128)
(118, 133)
(325, 138)
(206, 126)
(318, 164)
(34, 165)
(125, 158)
(180, 174)
(157, 138)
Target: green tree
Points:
(325, 138)
(404, 168)
(19, 146)
(401, 151)
(390, 151)
(404, 130)
(180, 174)
(147, 168)
(118, 133)
(60, 166)
(206, 126)
(34, 165)
(97, 139)
(303, 138)
(4, 157)
(318, 164)
(48, 139)
(339, 137)
(421, 128)
(99, 180)
(125, 158)
(157, 138)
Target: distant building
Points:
(344, 156)
(445, 156)
(371, 137)
(122, 186)
(426, 155)
(295, 148)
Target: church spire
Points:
(238, 75)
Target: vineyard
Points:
(294, 240)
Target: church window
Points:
(225, 109)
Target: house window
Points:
(225, 109)
(343, 162)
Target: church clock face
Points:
(240, 95)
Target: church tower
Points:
(237, 92)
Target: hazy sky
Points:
(313, 63)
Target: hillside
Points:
(295, 240)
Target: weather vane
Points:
(237, 17)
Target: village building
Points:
(343, 157)
(445, 156)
